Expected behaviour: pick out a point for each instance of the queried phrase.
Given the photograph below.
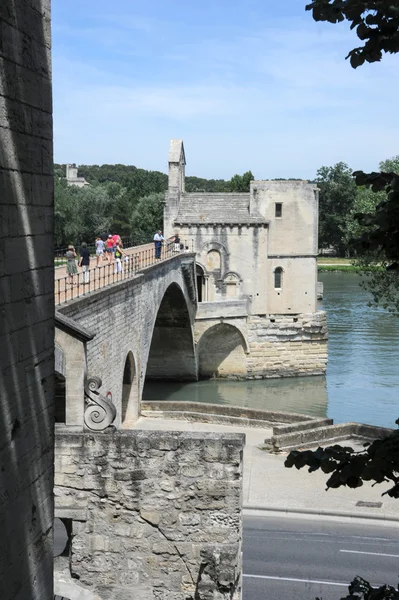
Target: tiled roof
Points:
(216, 208)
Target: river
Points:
(362, 382)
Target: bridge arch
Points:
(130, 392)
(172, 353)
(221, 352)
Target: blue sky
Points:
(246, 84)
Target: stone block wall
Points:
(156, 515)
(262, 346)
(123, 320)
(285, 346)
(26, 301)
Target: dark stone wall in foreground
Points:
(154, 514)
(26, 301)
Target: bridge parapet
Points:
(137, 328)
(134, 261)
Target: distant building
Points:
(256, 258)
(72, 177)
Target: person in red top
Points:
(117, 239)
(109, 249)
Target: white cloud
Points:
(279, 101)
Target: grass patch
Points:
(322, 260)
(345, 268)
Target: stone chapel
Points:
(256, 256)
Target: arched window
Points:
(278, 277)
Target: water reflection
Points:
(362, 374)
(306, 395)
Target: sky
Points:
(247, 84)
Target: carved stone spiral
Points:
(100, 412)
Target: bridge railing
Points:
(69, 287)
(60, 258)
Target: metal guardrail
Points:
(70, 287)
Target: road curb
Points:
(342, 514)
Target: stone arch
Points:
(222, 352)
(201, 282)
(130, 393)
(213, 247)
(231, 283)
(172, 354)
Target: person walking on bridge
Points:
(85, 262)
(71, 264)
(99, 251)
(109, 245)
(119, 254)
(158, 239)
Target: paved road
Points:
(304, 559)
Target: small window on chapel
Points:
(279, 209)
(278, 278)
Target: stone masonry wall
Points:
(161, 513)
(26, 301)
(122, 319)
(258, 347)
(284, 346)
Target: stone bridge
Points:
(139, 328)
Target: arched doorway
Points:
(201, 296)
(59, 398)
(221, 352)
(130, 395)
(172, 354)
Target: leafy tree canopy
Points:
(376, 23)
(337, 197)
(241, 183)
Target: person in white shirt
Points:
(99, 251)
(158, 239)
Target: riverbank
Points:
(326, 264)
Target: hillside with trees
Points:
(121, 199)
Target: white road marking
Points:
(297, 580)
(371, 553)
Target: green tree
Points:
(336, 201)
(80, 213)
(390, 165)
(379, 243)
(365, 202)
(67, 222)
(147, 217)
(241, 183)
(376, 23)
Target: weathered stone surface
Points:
(259, 347)
(150, 320)
(27, 302)
(167, 534)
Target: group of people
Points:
(159, 240)
(110, 248)
(107, 246)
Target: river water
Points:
(362, 382)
